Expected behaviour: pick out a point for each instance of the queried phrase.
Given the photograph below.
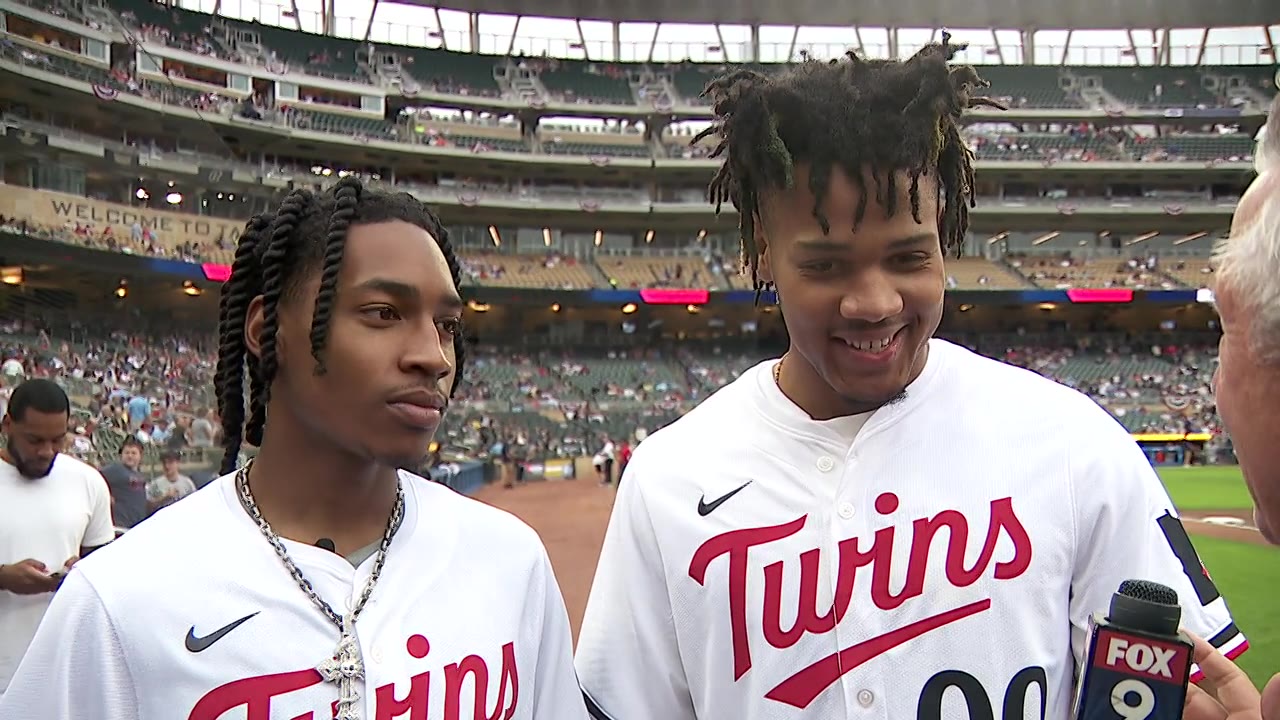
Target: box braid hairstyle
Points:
(276, 253)
(885, 115)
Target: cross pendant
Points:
(344, 669)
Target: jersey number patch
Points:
(976, 698)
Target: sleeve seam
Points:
(115, 635)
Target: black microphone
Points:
(1138, 662)
(326, 544)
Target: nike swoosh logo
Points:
(200, 644)
(706, 508)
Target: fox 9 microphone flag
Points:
(1138, 661)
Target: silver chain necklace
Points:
(346, 667)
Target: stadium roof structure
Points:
(1013, 14)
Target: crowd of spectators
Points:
(154, 384)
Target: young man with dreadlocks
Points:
(319, 580)
(880, 523)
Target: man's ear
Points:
(253, 322)
(764, 268)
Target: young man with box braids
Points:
(322, 578)
(880, 523)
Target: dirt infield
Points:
(571, 516)
(1218, 524)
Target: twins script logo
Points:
(803, 687)
(255, 694)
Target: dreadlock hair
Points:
(275, 254)
(881, 115)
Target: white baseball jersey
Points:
(192, 616)
(938, 558)
(47, 519)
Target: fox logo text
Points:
(1140, 657)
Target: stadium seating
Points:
(982, 274)
(1237, 147)
(1027, 86)
(484, 143)
(1059, 273)
(563, 402)
(1194, 272)
(466, 74)
(594, 83)
(1155, 87)
(1079, 147)
(450, 72)
(550, 271)
(666, 272)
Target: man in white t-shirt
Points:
(880, 524)
(319, 580)
(54, 510)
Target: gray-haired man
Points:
(1247, 385)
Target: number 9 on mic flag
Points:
(1138, 663)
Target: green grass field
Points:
(1220, 487)
(1246, 575)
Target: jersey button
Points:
(825, 464)
(865, 698)
(845, 510)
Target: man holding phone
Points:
(54, 510)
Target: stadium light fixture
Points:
(648, 236)
(997, 238)
(628, 308)
(599, 237)
(11, 275)
(478, 307)
(702, 235)
(1143, 237)
(190, 288)
(1045, 238)
(1188, 238)
(493, 233)
(692, 309)
(142, 194)
(173, 198)
(555, 307)
(546, 236)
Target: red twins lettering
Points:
(737, 544)
(255, 694)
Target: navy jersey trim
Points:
(593, 708)
(1229, 633)
(1180, 543)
